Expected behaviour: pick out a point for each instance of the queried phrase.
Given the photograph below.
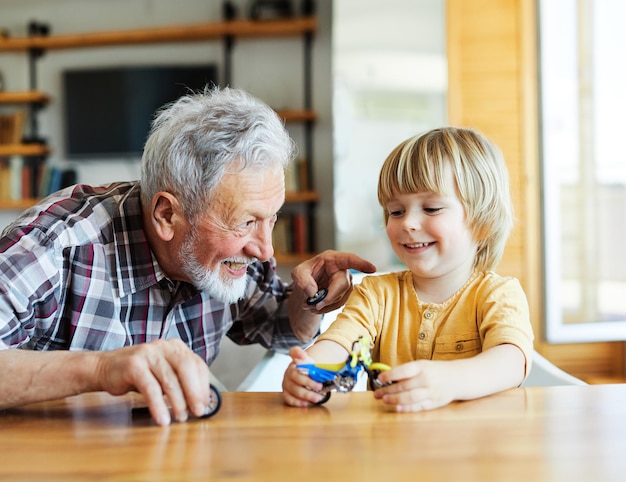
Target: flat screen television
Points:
(108, 111)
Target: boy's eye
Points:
(432, 210)
(396, 213)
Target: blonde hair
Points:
(419, 164)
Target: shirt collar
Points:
(136, 266)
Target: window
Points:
(389, 83)
(583, 105)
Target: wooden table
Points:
(532, 434)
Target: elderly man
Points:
(132, 286)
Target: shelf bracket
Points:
(34, 54)
(229, 42)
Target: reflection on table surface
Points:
(531, 434)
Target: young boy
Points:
(450, 328)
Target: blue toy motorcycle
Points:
(342, 377)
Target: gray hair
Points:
(197, 139)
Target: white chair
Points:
(543, 373)
(267, 375)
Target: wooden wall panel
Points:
(486, 92)
(492, 76)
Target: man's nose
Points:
(261, 244)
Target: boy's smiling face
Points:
(429, 234)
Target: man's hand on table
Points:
(159, 370)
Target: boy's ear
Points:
(166, 215)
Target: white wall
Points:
(389, 83)
(269, 68)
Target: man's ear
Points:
(165, 214)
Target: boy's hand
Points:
(419, 385)
(429, 384)
(299, 390)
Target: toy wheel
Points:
(215, 402)
(344, 383)
(325, 399)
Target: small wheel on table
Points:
(324, 399)
(215, 402)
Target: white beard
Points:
(227, 291)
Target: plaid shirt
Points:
(77, 273)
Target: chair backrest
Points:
(543, 373)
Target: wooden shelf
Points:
(177, 33)
(297, 115)
(301, 196)
(29, 150)
(19, 205)
(24, 97)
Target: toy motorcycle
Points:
(342, 377)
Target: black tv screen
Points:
(108, 111)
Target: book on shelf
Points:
(303, 175)
(291, 177)
(290, 234)
(12, 127)
(11, 132)
(296, 176)
(16, 166)
(25, 178)
(54, 178)
(298, 221)
(5, 178)
(11, 178)
(15, 178)
(281, 237)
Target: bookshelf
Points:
(29, 156)
(305, 197)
